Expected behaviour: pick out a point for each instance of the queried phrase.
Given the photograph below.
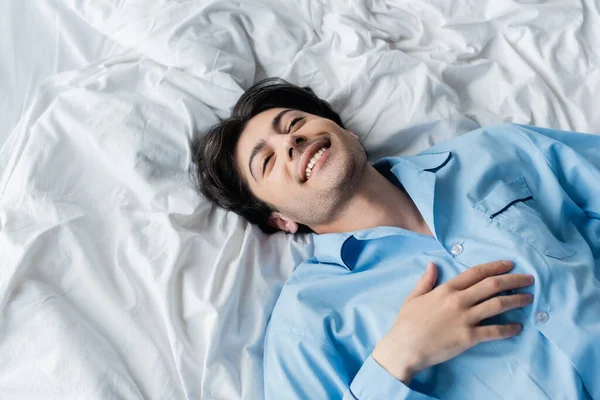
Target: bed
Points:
(117, 280)
(39, 39)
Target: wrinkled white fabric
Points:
(118, 281)
(39, 39)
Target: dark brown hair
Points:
(216, 175)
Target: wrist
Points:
(399, 369)
(404, 375)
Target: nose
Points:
(293, 141)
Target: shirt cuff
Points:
(373, 382)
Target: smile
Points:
(313, 161)
(313, 157)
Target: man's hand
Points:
(436, 325)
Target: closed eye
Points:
(266, 162)
(294, 121)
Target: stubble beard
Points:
(330, 204)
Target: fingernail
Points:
(507, 263)
(531, 278)
(530, 298)
(517, 327)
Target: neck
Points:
(377, 202)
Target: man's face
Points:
(304, 165)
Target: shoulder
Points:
(306, 306)
(303, 303)
(482, 148)
(507, 134)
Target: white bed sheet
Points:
(39, 39)
(118, 281)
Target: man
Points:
(362, 319)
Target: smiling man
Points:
(303, 190)
(405, 297)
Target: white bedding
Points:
(39, 39)
(118, 281)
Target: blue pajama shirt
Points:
(521, 193)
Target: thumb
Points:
(426, 283)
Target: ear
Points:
(353, 134)
(283, 223)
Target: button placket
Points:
(456, 250)
(541, 317)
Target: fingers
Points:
(478, 273)
(498, 305)
(493, 285)
(426, 283)
(494, 332)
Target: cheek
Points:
(285, 191)
(276, 187)
(281, 175)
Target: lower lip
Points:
(318, 164)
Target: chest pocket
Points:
(513, 207)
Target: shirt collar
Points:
(328, 247)
(422, 162)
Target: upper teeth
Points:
(313, 161)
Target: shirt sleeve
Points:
(300, 367)
(374, 382)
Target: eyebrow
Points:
(277, 119)
(259, 146)
(262, 143)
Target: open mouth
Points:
(313, 159)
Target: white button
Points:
(457, 249)
(541, 317)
